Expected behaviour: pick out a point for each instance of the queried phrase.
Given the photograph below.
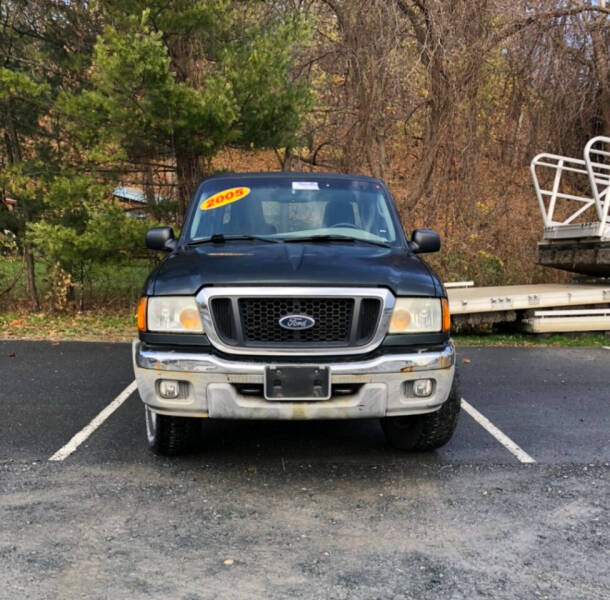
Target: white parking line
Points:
(484, 422)
(86, 431)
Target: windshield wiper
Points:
(219, 238)
(333, 238)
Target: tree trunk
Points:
(188, 173)
(436, 134)
(30, 276)
(14, 156)
(601, 61)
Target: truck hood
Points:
(325, 264)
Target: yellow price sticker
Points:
(225, 197)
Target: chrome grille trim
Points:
(206, 295)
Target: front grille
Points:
(260, 319)
(254, 321)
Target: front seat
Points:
(247, 218)
(338, 211)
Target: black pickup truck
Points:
(295, 296)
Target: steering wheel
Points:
(350, 225)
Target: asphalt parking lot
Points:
(305, 509)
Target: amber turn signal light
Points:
(142, 314)
(446, 315)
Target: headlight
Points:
(176, 314)
(420, 315)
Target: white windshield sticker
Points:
(305, 185)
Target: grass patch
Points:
(117, 284)
(523, 339)
(92, 325)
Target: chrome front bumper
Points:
(209, 385)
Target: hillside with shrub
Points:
(446, 101)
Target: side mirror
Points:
(160, 238)
(425, 240)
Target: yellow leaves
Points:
(483, 208)
(491, 258)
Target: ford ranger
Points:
(295, 296)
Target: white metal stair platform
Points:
(577, 189)
(574, 198)
(592, 230)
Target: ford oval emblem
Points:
(297, 322)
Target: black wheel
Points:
(425, 432)
(170, 436)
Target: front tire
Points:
(420, 433)
(170, 436)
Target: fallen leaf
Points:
(12, 355)
(465, 360)
(54, 343)
(15, 322)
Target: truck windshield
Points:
(284, 208)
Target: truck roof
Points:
(293, 175)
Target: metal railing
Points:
(594, 168)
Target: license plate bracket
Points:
(298, 382)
